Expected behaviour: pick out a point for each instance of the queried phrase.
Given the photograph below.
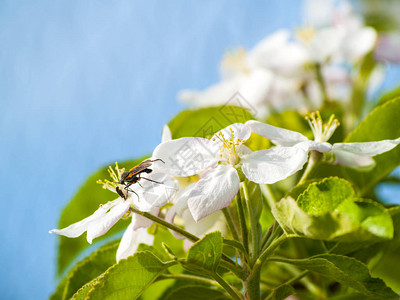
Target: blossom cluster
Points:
(201, 176)
(302, 69)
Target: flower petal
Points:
(170, 218)
(355, 161)
(358, 155)
(131, 240)
(166, 134)
(139, 221)
(368, 148)
(80, 227)
(101, 225)
(275, 164)
(279, 136)
(186, 156)
(214, 191)
(155, 190)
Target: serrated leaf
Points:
(83, 204)
(197, 293)
(204, 122)
(129, 278)
(328, 210)
(88, 269)
(206, 253)
(381, 124)
(347, 271)
(83, 292)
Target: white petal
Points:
(367, 148)
(155, 193)
(166, 134)
(186, 156)
(101, 225)
(80, 227)
(355, 161)
(318, 146)
(181, 203)
(217, 94)
(131, 240)
(213, 222)
(275, 164)
(170, 218)
(140, 221)
(279, 136)
(358, 155)
(214, 191)
(359, 43)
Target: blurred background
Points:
(85, 84)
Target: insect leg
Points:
(152, 180)
(158, 159)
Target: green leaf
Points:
(83, 292)
(381, 124)
(129, 278)
(83, 204)
(324, 196)
(88, 269)
(197, 293)
(347, 271)
(281, 292)
(206, 253)
(328, 210)
(204, 122)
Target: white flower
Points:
(219, 160)
(147, 196)
(135, 234)
(354, 155)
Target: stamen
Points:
(322, 132)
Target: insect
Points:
(134, 175)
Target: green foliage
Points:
(83, 204)
(204, 122)
(281, 292)
(381, 124)
(86, 270)
(328, 210)
(206, 253)
(197, 293)
(347, 271)
(129, 278)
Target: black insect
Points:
(134, 175)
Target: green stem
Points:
(229, 219)
(312, 162)
(269, 251)
(268, 234)
(238, 271)
(193, 278)
(268, 194)
(160, 221)
(233, 292)
(321, 83)
(276, 231)
(255, 239)
(243, 225)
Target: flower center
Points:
(305, 34)
(116, 177)
(322, 132)
(230, 150)
(235, 62)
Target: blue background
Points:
(86, 83)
